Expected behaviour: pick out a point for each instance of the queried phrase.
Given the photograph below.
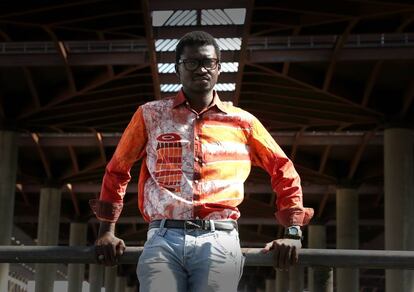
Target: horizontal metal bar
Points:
(375, 259)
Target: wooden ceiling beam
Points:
(48, 8)
(335, 54)
(101, 80)
(43, 158)
(316, 89)
(111, 139)
(74, 19)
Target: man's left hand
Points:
(285, 252)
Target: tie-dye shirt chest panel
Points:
(194, 161)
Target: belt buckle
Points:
(194, 225)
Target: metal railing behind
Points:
(376, 259)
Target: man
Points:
(197, 152)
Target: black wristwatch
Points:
(293, 232)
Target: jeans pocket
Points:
(228, 244)
(151, 235)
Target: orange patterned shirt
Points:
(195, 164)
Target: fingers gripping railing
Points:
(381, 259)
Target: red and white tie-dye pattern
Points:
(195, 164)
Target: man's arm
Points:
(285, 181)
(108, 207)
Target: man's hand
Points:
(285, 252)
(108, 247)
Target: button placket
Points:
(196, 159)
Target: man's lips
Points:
(201, 79)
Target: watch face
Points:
(293, 231)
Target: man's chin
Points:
(202, 89)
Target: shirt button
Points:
(197, 138)
(196, 159)
(197, 117)
(196, 181)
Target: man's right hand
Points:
(108, 247)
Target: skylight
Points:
(207, 17)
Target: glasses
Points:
(194, 64)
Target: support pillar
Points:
(296, 277)
(282, 281)
(399, 202)
(96, 275)
(76, 272)
(8, 168)
(320, 278)
(130, 289)
(110, 278)
(347, 235)
(47, 234)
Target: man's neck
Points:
(199, 101)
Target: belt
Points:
(227, 225)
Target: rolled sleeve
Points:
(106, 211)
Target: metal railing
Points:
(391, 40)
(374, 259)
(356, 41)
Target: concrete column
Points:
(130, 289)
(270, 285)
(96, 275)
(8, 167)
(296, 279)
(399, 202)
(110, 278)
(320, 279)
(120, 284)
(347, 235)
(47, 234)
(282, 281)
(76, 272)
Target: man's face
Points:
(204, 77)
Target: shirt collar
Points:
(180, 99)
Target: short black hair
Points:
(195, 38)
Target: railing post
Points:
(96, 274)
(8, 167)
(76, 272)
(270, 285)
(296, 279)
(120, 284)
(110, 278)
(320, 278)
(282, 281)
(47, 234)
(399, 202)
(347, 235)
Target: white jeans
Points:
(178, 260)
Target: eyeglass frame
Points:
(200, 63)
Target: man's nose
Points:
(201, 70)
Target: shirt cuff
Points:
(106, 211)
(295, 216)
